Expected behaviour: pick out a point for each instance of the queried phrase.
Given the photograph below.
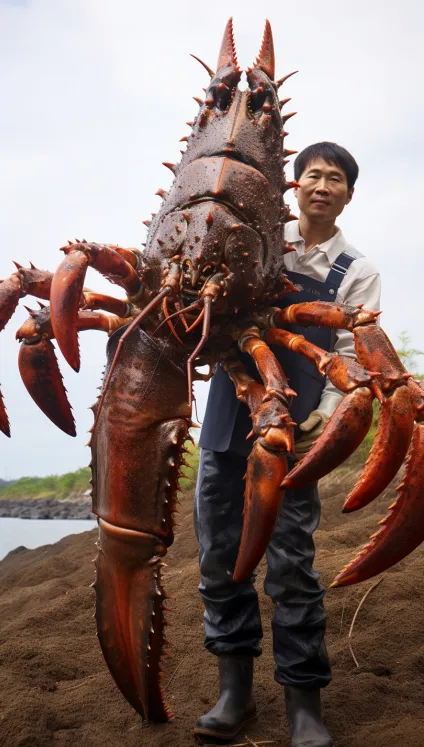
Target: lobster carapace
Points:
(208, 281)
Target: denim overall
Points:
(232, 618)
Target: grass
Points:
(62, 487)
(52, 486)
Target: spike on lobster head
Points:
(266, 58)
(227, 54)
(228, 117)
(224, 82)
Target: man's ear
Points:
(350, 195)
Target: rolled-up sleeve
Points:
(363, 290)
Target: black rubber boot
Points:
(235, 706)
(304, 715)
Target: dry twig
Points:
(246, 744)
(342, 617)
(79, 684)
(374, 586)
(174, 673)
(261, 710)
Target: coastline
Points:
(46, 508)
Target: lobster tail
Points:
(137, 451)
(130, 617)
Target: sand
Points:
(56, 690)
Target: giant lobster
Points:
(208, 281)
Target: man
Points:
(327, 269)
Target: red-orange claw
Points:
(265, 472)
(65, 297)
(343, 433)
(374, 350)
(391, 443)
(4, 420)
(41, 375)
(402, 530)
(417, 393)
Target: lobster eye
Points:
(207, 270)
(222, 96)
(257, 99)
(187, 265)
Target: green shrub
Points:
(192, 459)
(52, 486)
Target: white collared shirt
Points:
(361, 284)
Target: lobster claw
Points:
(40, 373)
(65, 295)
(4, 420)
(402, 530)
(265, 473)
(391, 443)
(129, 613)
(343, 433)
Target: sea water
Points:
(33, 533)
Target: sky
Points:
(95, 95)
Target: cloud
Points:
(95, 96)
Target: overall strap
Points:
(338, 270)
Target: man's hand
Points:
(311, 429)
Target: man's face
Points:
(323, 191)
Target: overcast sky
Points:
(94, 96)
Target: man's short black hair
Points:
(330, 153)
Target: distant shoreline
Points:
(45, 508)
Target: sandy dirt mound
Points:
(56, 690)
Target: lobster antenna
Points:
(205, 334)
(168, 321)
(179, 312)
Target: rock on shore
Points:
(46, 508)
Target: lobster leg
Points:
(267, 463)
(350, 422)
(67, 287)
(136, 456)
(24, 282)
(42, 378)
(10, 293)
(324, 314)
(110, 304)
